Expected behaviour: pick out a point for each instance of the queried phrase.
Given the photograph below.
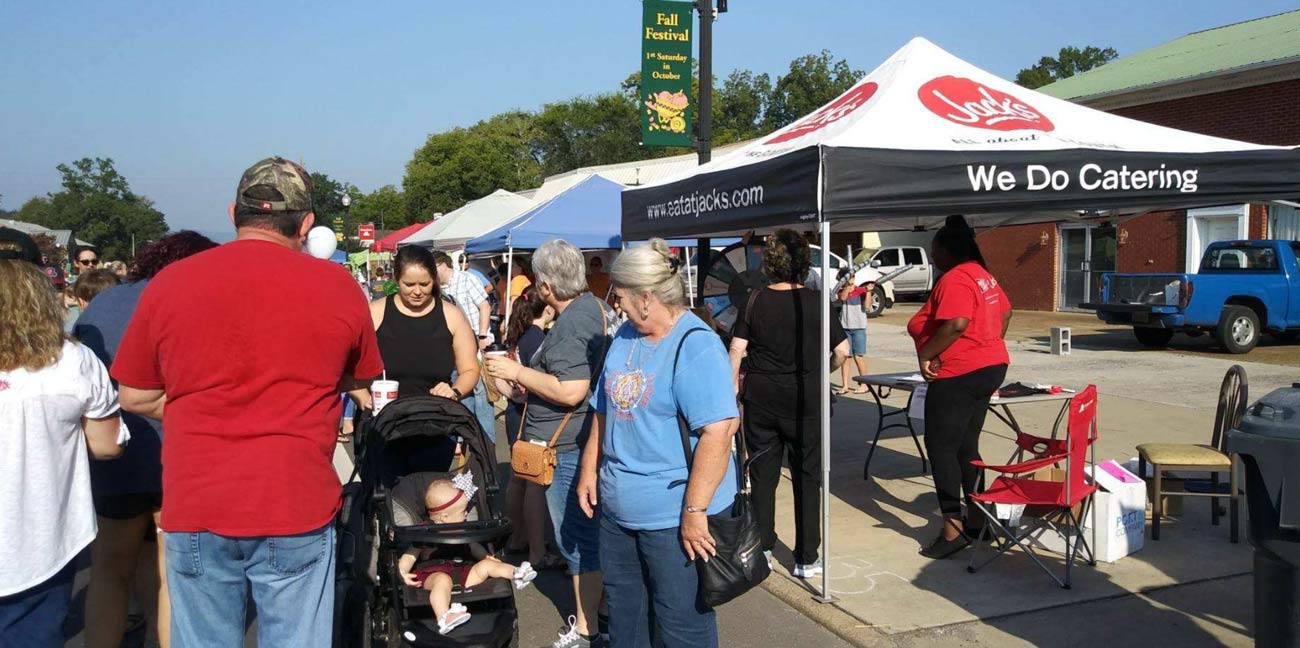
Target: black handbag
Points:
(739, 564)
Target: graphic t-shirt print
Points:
(628, 391)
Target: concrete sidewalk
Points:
(1190, 588)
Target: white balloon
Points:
(321, 242)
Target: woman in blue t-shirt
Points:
(653, 508)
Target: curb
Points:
(829, 615)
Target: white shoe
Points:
(524, 574)
(457, 615)
(808, 571)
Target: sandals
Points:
(524, 574)
(457, 615)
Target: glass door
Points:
(1074, 264)
(1087, 251)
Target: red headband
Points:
(459, 494)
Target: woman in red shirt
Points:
(959, 345)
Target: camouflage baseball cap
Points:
(291, 182)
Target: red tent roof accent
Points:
(389, 243)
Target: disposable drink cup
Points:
(383, 392)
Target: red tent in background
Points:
(389, 243)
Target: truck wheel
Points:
(877, 306)
(1156, 338)
(1238, 329)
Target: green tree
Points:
(739, 107)
(464, 164)
(385, 207)
(1067, 63)
(587, 131)
(97, 204)
(813, 80)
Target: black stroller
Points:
(410, 444)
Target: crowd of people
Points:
(240, 352)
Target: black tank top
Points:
(416, 351)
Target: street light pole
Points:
(704, 144)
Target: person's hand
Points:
(484, 343)
(444, 390)
(404, 565)
(345, 431)
(929, 368)
(587, 493)
(364, 400)
(696, 538)
(502, 367)
(869, 286)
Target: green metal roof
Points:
(1222, 49)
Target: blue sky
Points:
(184, 94)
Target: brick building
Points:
(1239, 81)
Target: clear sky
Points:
(184, 94)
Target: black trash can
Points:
(1268, 442)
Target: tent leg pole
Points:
(689, 274)
(825, 381)
(510, 271)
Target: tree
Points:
(739, 107)
(1068, 62)
(589, 131)
(385, 207)
(464, 164)
(97, 204)
(813, 80)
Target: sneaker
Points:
(569, 637)
(808, 571)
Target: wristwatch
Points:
(692, 509)
(457, 393)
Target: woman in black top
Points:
(421, 341)
(777, 335)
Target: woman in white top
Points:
(56, 402)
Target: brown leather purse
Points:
(534, 462)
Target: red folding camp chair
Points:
(1056, 500)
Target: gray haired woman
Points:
(558, 381)
(663, 364)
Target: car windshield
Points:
(1250, 258)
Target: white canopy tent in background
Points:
(927, 134)
(473, 219)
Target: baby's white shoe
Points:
(457, 615)
(524, 574)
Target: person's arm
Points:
(101, 436)
(484, 321)
(708, 467)
(404, 565)
(736, 354)
(1006, 322)
(588, 479)
(568, 393)
(464, 347)
(949, 331)
(148, 403)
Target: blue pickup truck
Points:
(1244, 289)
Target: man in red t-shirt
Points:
(242, 351)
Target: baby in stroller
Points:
(447, 502)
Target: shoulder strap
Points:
(595, 375)
(749, 308)
(684, 428)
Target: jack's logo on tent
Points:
(970, 103)
(830, 113)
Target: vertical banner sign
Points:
(666, 73)
(338, 228)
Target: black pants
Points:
(769, 439)
(954, 415)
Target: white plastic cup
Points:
(495, 354)
(382, 392)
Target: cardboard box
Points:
(1119, 506)
(1172, 504)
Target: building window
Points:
(1210, 224)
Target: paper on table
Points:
(916, 409)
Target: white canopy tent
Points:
(926, 135)
(475, 218)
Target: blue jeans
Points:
(486, 416)
(644, 568)
(291, 579)
(576, 535)
(34, 617)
